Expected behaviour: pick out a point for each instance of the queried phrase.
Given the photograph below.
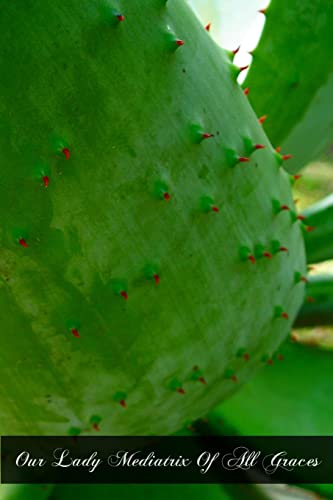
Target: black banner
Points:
(208, 459)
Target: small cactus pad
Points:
(102, 106)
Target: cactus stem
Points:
(66, 153)
(262, 119)
(23, 243)
(46, 181)
(208, 26)
(75, 332)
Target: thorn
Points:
(300, 217)
(242, 68)
(67, 153)
(283, 249)
(208, 26)
(157, 279)
(207, 136)
(280, 357)
(304, 279)
(280, 313)
(23, 243)
(120, 17)
(180, 390)
(215, 209)
(268, 255)
(310, 228)
(124, 295)
(284, 207)
(296, 200)
(166, 196)
(252, 259)
(235, 51)
(262, 119)
(294, 337)
(297, 176)
(46, 181)
(179, 42)
(75, 332)
(202, 380)
(246, 91)
(246, 356)
(310, 299)
(311, 268)
(243, 159)
(262, 11)
(234, 379)
(278, 149)
(286, 157)
(259, 146)
(96, 427)
(270, 362)
(122, 403)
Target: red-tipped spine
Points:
(157, 279)
(23, 243)
(66, 153)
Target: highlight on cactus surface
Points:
(152, 258)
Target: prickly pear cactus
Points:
(149, 241)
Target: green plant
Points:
(152, 257)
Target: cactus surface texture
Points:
(149, 240)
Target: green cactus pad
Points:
(107, 107)
(291, 77)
